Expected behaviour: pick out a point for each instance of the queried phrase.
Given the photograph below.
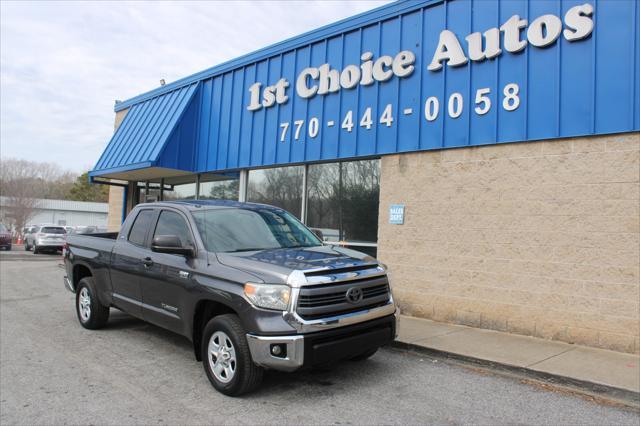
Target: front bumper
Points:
(322, 347)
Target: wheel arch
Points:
(206, 309)
(78, 272)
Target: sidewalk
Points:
(601, 370)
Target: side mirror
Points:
(170, 244)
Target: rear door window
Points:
(138, 233)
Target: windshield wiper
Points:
(247, 249)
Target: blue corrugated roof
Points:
(144, 132)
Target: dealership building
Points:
(488, 152)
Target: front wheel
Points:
(36, 250)
(91, 313)
(226, 357)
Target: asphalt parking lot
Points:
(52, 371)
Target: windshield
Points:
(52, 230)
(235, 230)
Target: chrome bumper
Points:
(260, 347)
(50, 243)
(68, 284)
(309, 326)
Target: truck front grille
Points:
(327, 300)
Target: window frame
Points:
(145, 243)
(184, 217)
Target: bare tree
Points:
(23, 183)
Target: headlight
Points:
(268, 296)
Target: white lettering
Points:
(329, 80)
(511, 30)
(449, 50)
(350, 77)
(254, 102)
(281, 91)
(579, 22)
(544, 30)
(269, 96)
(379, 72)
(403, 63)
(367, 69)
(302, 89)
(492, 45)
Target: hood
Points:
(275, 265)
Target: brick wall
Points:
(116, 193)
(537, 238)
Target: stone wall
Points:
(116, 199)
(537, 238)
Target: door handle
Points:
(147, 262)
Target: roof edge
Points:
(344, 25)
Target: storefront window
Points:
(280, 187)
(186, 191)
(220, 189)
(148, 192)
(343, 202)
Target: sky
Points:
(63, 64)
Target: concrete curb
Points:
(625, 397)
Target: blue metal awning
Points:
(145, 132)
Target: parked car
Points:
(248, 284)
(45, 238)
(28, 233)
(5, 237)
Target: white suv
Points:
(45, 237)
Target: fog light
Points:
(279, 350)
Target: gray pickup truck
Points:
(248, 284)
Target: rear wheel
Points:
(226, 357)
(91, 313)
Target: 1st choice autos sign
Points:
(452, 50)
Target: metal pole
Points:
(242, 190)
(198, 186)
(303, 211)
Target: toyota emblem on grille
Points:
(354, 295)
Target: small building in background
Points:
(60, 212)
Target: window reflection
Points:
(185, 191)
(343, 201)
(219, 190)
(280, 187)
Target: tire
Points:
(364, 355)
(91, 313)
(35, 249)
(235, 373)
(9, 247)
(27, 247)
